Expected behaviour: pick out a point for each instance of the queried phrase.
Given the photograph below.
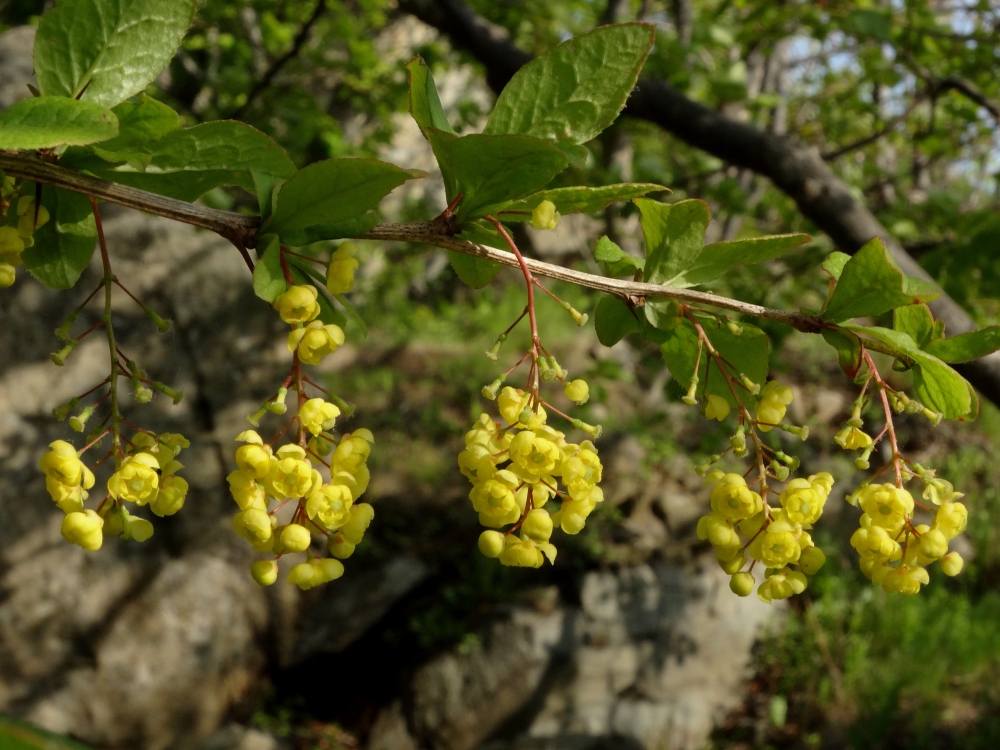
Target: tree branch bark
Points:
(794, 167)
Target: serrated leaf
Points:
(63, 245)
(716, 259)
(748, 353)
(916, 321)
(616, 261)
(936, 385)
(329, 192)
(107, 49)
(49, 121)
(834, 264)
(966, 347)
(848, 347)
(474, 271)
(580, 200)
(353, 227)
(186, 164)
(268, 277)
(871, 284)
(575, 90)
(614, 320)
(493, 170)
(675, 236)
(140, 125)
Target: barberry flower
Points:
(340, 273)
(717, 407)
(318, 415)
(298, 305)
(578, 392)
(774, 400)
(545, 216)
(83, 528)
(315, 341)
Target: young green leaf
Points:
(425, 105)
(105, 51)
(476, 272)
(574, 91)
(580, 200)
(186, 164)
(140, 125)
(720, 257)
(329, 192)
(614, 320)
(268, 277)
(616, 260)
(871, 283)
(48, 121)
(834, 264)
(493, 170)
(966, 347)
(63, 245)
(916, 321)
(848, 347)
(936, 385)
(675, 236)
(748, 353)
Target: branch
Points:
(794, 167)
(970, 91)
(277, 65)
(861, 143)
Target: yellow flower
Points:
(316, 572)
(62, 464)
(295, 538)
(904, 580)
(315, 341)
(246, 491)
(741, 584)
(940, 491)
(330, 505)
(494, 500)
(170, 498)
(290, 475)
(136, 480)
(811, 560)
(511, 402)
(254, 525)
(8, 275)
(361, 517)
(343, 264)
(733, 500)
(476, 463)
(545, 216)
(537, 525)
(521, 553)
(298, 305)
(264, 572)
(340, 547)
(874, 542)
(774, 399)
(491, 543)
(716, 529)
(717, 407)
(254, 460)
(577, 391)
(951, 564)
(67, 497)
(851, 438)
(951, 519)
(580, 472)
(27, 224)
(802, 501)
(933, 544)
(317, 415)
(779, 546)
(351, 452)
(887, 506)
(533, 455)
(10, 242)
(83, 528)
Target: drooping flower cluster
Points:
(310, 339)
(894, 552)
(742, 528)
(146, 476)
(516, 471)
(14, 239)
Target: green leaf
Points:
(425, 105)
(871, 22)
(268, 278)
(916, 321)
(107, 49)
(720, 257)
(936, 385)
(20, 735)
(834, 263)
(675, 236)
(614, 320)
(493, 170)
(441, 143)
(352, 313)
(48, 121)
(329, 192)
(186, 164)
(574, 91)
(965, 347)
(871, 284)
(140, 125)
(616, 260)
(63, 245)
(474, 271)
(848, 347)
(353, 227)
(748, 354)
(581, 200)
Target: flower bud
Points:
(340, 547)
(545, 216)
(951, 564)
(78, 422)
(296, 538)
(495, 349)
(577, 391)
(59, 357)
(741, 584)
(7, 275)
(491, 543)
(277, 404)
(537, 525)
(264, 572)
(811, 560)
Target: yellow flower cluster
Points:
(311, 339)
(516, 470)
(774, 400)
(775, 537)
(894, 552)
(146, 476)
(13, 240)
(323, 506)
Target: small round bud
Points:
(952, 564)
(264, 572)
(733, 565)
(577, 391)
(491, 543)
(741, 584)
(537, 525)
(7, 275)
(933, 544)
(340, 547)
(811, 560)
(296, 538)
